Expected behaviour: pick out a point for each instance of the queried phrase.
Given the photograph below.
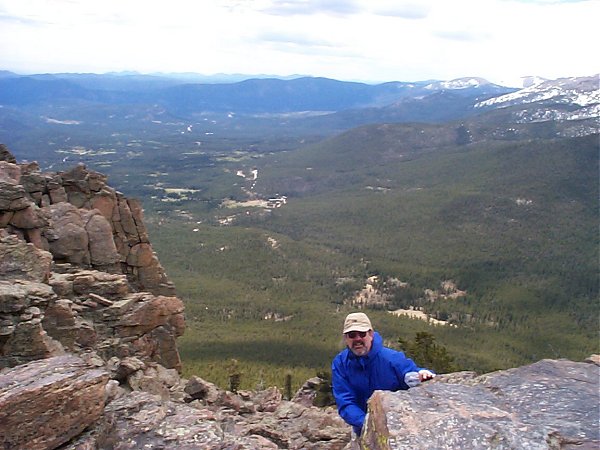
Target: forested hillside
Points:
(513, 223)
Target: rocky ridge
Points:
(88, 354)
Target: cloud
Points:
(299, 39)
(17, 20)
(546, 2)
(310, 7)
(346, 39)
(463, 35)
(404, 11)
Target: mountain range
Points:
(71, 107)
(255, 95)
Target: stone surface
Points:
(20, 260)
(142, 420)
(551, 404)
(6, 155)
(66, 234)
(103, 251)
(45, 403)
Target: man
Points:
(365, 366)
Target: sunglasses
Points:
(353, 334)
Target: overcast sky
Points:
(366, 40)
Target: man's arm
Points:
(405, 366)
(345, 399)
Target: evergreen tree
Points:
(426, 353)
(324, 396)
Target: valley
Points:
(271, 223)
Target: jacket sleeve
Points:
(345, 399)
(403, 365)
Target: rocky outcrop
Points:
(80, 220)
(552, 404)
(48, 309)
(77, 272)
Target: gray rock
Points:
(66, 234)
(6, 155)
(547, 405)
(142, 420)
(103, 251)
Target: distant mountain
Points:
(191, 77)
(341, 160)
(582, 91)
(257, 95)
(552, 100)
(351, 103)
(21, 91)
(466, 84)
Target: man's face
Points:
(359, 342)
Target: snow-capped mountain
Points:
(562, 99)
(459, 83)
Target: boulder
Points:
(28, 218)
(103, 251)
(147, 312)
(12, 196)
(294, 426)
(46, 403)
(22, 336)
(66, 234)
(20, 260)
(6, 155)
(199, 389)
(546, 405)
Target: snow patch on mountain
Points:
(522, 82)
(458, 83)
(578, 91)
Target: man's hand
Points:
(425, 375)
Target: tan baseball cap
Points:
(357, 322)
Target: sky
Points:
(350, 40)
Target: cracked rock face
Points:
(47, 402)
(44, 313)
(77, 272)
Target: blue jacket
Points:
(355, 378)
